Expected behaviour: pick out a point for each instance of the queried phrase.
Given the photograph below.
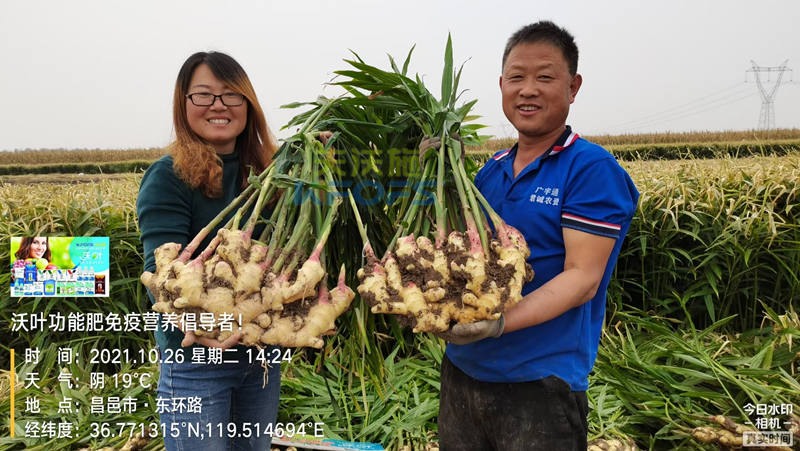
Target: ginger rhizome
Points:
(731, 435)
(461, 277)
(272, 289)
(612, 445)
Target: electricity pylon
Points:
(766, 119)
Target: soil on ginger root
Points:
(300, 307)
(169, 296)
(420, 275)
(426, 255)
(392, 299)
(503, 301)
(297, 267)
(370, 299)
(233, 267)
(500, 274)
(413, 275)
(215, 282)
(455, 255)
(369, 267)
(407, 320)
(454, 290)
(244, 253)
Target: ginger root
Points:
(235, 283)
(432, 287)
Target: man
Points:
(519, 383)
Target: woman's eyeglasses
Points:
(208, 99)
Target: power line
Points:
(690, 109)
(737, 85)
(696, 112)
(655, 118)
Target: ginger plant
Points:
(445, 262)
(462, 276)
(273, 292)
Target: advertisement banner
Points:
(60, 266)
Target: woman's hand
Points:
(324, 137)
(190, 338)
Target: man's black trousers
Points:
(543, 415)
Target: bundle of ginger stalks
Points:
(272, 289)
(445, 264)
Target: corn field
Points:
(640, 139)
(45, 156)
(53, 157)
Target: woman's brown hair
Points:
(25, 248)
(195, 161)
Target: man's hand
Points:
(462, 334)
(436, 144)
(428, 143)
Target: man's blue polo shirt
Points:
(575, 184)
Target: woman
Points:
(31, 248)
(34, 247)
(220, 132)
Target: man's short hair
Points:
(550, 33)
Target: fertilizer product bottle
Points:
(30, 274)
(18, 287)
(38, 288)
(100, 284)
(27, 289)
(79, 291)
(90, 276)
(89, 288)
(50, 287)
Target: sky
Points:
(99, 74)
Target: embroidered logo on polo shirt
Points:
(548, 196)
